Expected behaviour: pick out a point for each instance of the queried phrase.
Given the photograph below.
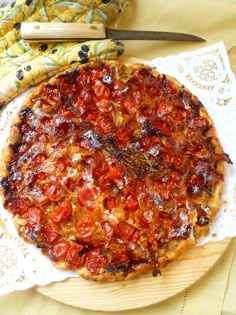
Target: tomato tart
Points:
(112, 169)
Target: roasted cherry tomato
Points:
(53, 191)
(104, 182)
(52, 91)
(114, 171)
(96, 261)
(123, 134)
(101, 91)
(104, 105)
(131, 106)
(100, 166)
(103, 124)
(131, 203)
(87, 198)
(75, 256)
(34, 216)
(61, 213)
(126, 230)
(49, 234)
(62, 163)
(85, 227)
(59, 250)
(110, 202)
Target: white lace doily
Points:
(206, 72)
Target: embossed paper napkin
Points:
(207, 74)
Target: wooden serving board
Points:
(146, 290)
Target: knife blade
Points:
(44, 31)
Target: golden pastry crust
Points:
(113, 169)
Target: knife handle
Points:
(46, 31)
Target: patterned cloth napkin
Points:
(23, 64)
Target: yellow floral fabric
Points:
(23, 64)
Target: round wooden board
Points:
(146, 290)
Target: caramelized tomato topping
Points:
(111, 168)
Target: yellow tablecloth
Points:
(214, 20)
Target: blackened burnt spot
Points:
(69, 74)
(111, 269)
(5, 184)
(25, 112)
(15, 147)
(156, 272)
(119, 267)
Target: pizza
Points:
(112, 169)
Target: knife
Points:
(44, 31)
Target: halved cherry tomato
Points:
(103, 124)
(61, 213)
(131, 203)
(49, 234)
(114, 171)
(104, 105)
(39, 158)
(87, 198)
(123, 134)
(100, 166)
(62, 163)
(90, 115)
(34, 216)
(53, 191)
(85, 144)
(131, 106)
(164, 190)
(163, 108)
(64, 128)
(80, 104)
(104, 182)
(163, 126)
(67, 114)
(110, 203)
(145, 142)
(59, 250)
(70, 184)
(75, 257)
(52, 92)
(43, 138)
(17, 206)
(101, 91)
(200, 122)
(85, 227)
(126, 230)
(95, 261)
(86, 95)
